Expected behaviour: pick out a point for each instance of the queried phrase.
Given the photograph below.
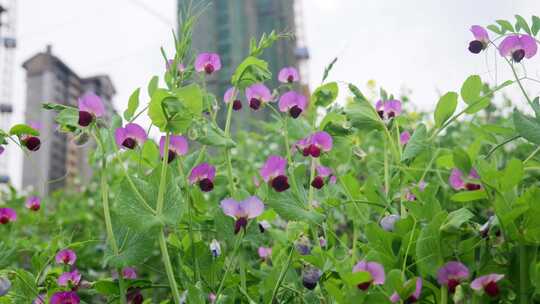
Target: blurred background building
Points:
(59, 161)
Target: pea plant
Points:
(359, 201)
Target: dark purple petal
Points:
(273, 167)
(7, 215)
(452, 270)
(259, 92)
(202, 171)
(292, 99)
(33, 203)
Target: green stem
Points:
(518, 80)
(289, 156)
(511, 139)
(386, 172)
(282, 276)
(230, 265)
(531, 155)
(162, 240)
(523, 274)
(232, 186)
(444, 295)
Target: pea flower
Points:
(129, 273)
(2, 149)
(204, 175)
(303, 245)
(394, 298)
(242, 211)
(264, 252)
(70, 278)
(31, 142)
(90, 107)
(215, 248)
(488, 283)
(134, 296)
(257, 95)
(273, 172)
(40, 299)
(180, 68)
(389, 222)
(178, 146)
(212, 298)
(323, 242)
(230, 96)
(310, 277)
(315, 144)
(33, 203)
(208, 63)
(388, 109)
(375, 270)
(408, 193)
(404, 137)
(322, 174)
(65, 297)
(66, 256)
(130, 136)
(452, 274)
(288, 75)
(293, 102)
(481, 39)
(7, 215)
(5, 286)
(518, 47)
(264, 225)
(458, 183)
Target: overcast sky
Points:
(417, 44)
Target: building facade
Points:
(59, 162)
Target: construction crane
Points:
(8, 44)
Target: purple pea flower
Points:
(310, 277)
(212, 298)
(394, 298)
(264, 225)
(65, 297)
(66, 256)
(518, 47)
(31, 142)
(242, 211)
(264, 252)
(130, 136)
(180, 68)
(481, 39)
(288, 75)
(273, 172)
(231, 95)
(303, 245)
(323, 242)
(2, 149)
(178, 145)
(70, 278)
(90, 107)
(215, 248)
(388, 109)
(204, 175)
(323, 173)
(452, 274)
(129, 273)
(134, 296)
(7, 215)
(293, 102)
(33, 203)
(488, 283)
(388, 222)
(315, 144)
(5, 286)
(404, 137)
(257, 95)
(376, 271)
(40, 299)
(408, 193)
(458, 183)
(208, 63)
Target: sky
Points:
(420, 45)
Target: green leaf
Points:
(505, 26)
(68, 118)
(522, 24)
(150, 153)
(456, 219)
(495, 29)
(527, 127)
(156, 111)
(106, 287)
(535, 25)
(328, 68)
(445, 108)
(471, 89)
(213, 136)
(291, 209)
(24, 289)
(468, 196)
(251, 70)
(417, 143)
(54, 106)
(134, 247)
(355, 278)
(512, 174)
(428, 246)
(133, 104)
(191, 96)
(326, 94)
(23, 129)
(461, 160)
(153, 85)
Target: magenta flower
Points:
(72, 278)
(242, 211)
(388, 109)
(404, 137)
(264, 252)
(257, 95)
(389, 222)
(315, 143)
(129, 273)
(323, 173)
(65, 297)
(376, 271)
(90, 107)
(2, 149)
(518, 47)
(130, 136)
(66, 256)
(408, 193)
(231, 95)
(32, 143)
(458, 183)
(293, 102)
(204, 175)
(452, 274)
(208, 63)
(178, 145)
(394, 298)
(33, 203)
(212, 298)
(481, 39)
(310, 277)
(40, 299)
(7, 215)
(323, 242)
(134, 296)
(288, 75)
(273, 172)
(180, 68)
(488, 283)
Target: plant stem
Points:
(159, 210)
(282, 276)
(533, 153)
(289, 156)
(444, 295)
(511, 139)
(232, 187)
(229, 266)
(523, 274)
